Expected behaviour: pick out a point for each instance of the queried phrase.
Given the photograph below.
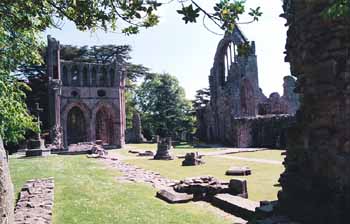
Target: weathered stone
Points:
(235, 98)
(235, 205)
(169, 195)
(35, 203)
(238, 171)
(202, 187)
(238, 188)
(316, 183)
(134, 134)
(163, 148)
(192, 159)
(6, 189)
(145, 153)
(86, 100)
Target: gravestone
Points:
(192, 159)
(36, 146)
(163, 148)
(6, 189)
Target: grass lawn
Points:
(266, 154)
(262, 184)
(87, 192)
(179, 150)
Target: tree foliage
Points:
(163, 106)
(202, 98)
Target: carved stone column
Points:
(316, 182)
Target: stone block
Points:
(38, 152)
(146, 153)
(239, 171)
(235, 205)
(238, 187)
(170, 196)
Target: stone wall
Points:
(6, 189)
(316, 181)
(262, 131)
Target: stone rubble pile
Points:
(35, 202)
(208, 186)
(192, 159)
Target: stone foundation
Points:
(35, 203)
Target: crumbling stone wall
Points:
(236, 98)
(262, 131)
(6, 189)
(316, 181)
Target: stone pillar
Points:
(316, 181)
(55, 83)
(137, 128)
(6, 189)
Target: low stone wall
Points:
(262, 131)
(35, 202)
(6, 189)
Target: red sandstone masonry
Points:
(35, 202)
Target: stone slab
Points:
(145, 153)
(239, 171)
(38, 152)
(170, 196)
(235, 205)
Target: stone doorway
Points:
(76, 126)
(105, 126)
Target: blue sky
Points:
(187, 51)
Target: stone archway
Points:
(76, 126)
(105, 130)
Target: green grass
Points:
(266, 154)
(88, 192)
(178, 150)
(262, 184)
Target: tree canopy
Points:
(163, 106)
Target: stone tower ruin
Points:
(239, 114)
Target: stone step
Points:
(235, 205)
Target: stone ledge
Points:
(235, 205)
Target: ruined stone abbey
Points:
(86, 100)
(239, 114)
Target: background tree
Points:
(202, 98)
(163, 106)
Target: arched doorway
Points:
(105, 126)
(76, 126)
